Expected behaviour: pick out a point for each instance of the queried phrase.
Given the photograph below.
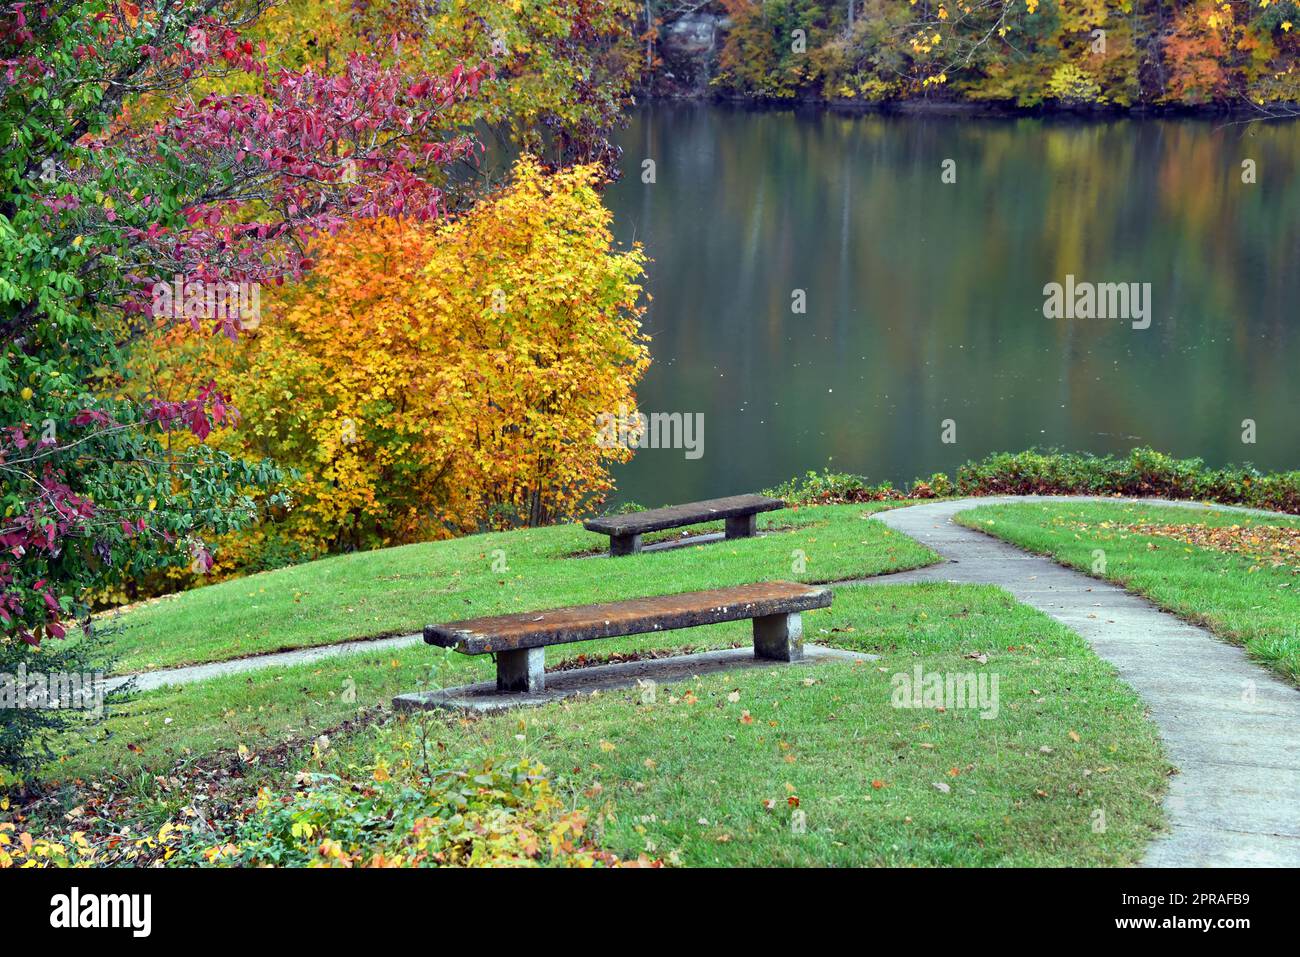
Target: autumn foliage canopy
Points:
(430, 380)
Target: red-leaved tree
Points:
(158, 168)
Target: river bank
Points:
(1043, 65)
(928, 106)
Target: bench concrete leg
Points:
(521, 671)
(779, 637)
(624, 545)
(742, 526)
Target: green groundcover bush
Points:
(407, 809)
(1143, 473)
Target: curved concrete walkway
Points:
(1231, 728)
(188, 674)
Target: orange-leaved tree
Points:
(427, 381)
(540, 314)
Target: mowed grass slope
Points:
(1240, 598)
(1068, 771)
(273, 706)
(399, 590)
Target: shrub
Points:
(1143, 473)
(27, 732)
(1069, 84)
(433, 381)
(817, 488)
(401, 812)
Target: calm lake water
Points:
(924, 300)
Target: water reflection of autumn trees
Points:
(925, 299)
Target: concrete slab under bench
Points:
(484, 698)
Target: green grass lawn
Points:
(1069, 745)
(271, 706)
(1069, 772)
(1239, 599)
(399, 590)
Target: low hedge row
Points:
(1143, 473)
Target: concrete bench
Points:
(740, 512)
(519, 641)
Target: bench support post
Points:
(521, 671)
(624, 545)
(779, 637)
(742, 526)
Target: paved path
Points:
(149, 680)
(1237, 800)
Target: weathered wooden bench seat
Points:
(519, 641)
(740, 512)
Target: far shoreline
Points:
(1243, 112)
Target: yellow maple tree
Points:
(431, 380)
